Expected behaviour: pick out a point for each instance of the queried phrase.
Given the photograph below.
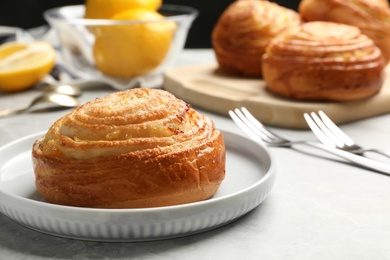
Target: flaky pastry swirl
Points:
(244, 30)
(371, 16)
(324, 61)
(131, 149)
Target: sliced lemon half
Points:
(23, 64)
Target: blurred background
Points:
(27, 14)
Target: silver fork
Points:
(330, 134)
(259, 133)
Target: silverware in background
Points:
(53, 93)
(259, 133)
(50, 98)
(330, 134)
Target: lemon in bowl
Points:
(133, 50)
(105, 9)
(133, 47)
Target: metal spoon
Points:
(65, 89)
(51, 98)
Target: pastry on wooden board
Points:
(371, 16)
(131, 149)
(244, 30)
(324, 61)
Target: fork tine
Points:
(335, 129)
(251, 126)
(317, 131)
(244, 127)
(260, 127)
(331, 136)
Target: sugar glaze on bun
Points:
(131, 149)
(371, 16)
(324, 61)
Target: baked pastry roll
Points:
(371, 16)
(131, 149)
(244, 30)
(324, 61)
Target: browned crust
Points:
(243, 31)
(371, 16)
(324, 61)
(188, 170)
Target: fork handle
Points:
(378, 152)
(353, 158)
(12, 111)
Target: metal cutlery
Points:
(258, 132)
(64, 89)
(58, 94)
(46, 98)
(330, 134)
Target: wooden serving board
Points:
(209, 88)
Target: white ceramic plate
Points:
(250, 176)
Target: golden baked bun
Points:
(244, 30)
(324, 61)
(131, 149)
(371, 16)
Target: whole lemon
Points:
(133, 49)
(105, 9)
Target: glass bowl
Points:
(121, 53)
